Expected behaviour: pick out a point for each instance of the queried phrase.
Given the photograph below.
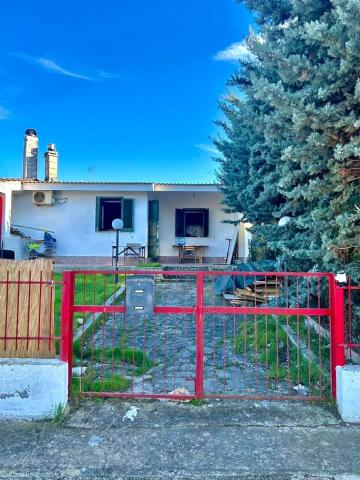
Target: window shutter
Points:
(206, 222)
(128, 213)
(98, 214)
(179, 223)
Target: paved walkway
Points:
(162, 440)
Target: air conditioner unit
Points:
(43, 198)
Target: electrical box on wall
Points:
(140, 293)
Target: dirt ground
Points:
(116, 439)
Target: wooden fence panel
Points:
(26, 309)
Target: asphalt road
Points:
(117, 439)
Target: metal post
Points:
(337, 331)
(199, 379)
(117, 257)
(67, 327)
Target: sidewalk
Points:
(219, 440)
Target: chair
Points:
(191, 252)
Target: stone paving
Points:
(170, 343)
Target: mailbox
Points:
(140, 294)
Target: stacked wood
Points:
(269, 288)
(26, 309)
(250, 295)
(257, 293)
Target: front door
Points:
(153, 229)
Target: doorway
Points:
(153, 240)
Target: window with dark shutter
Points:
(192, 222)
(128, 214)
(179, 223)
(109, 208)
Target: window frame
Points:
(180, 215)
(123, 201)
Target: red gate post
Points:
(67, 324)
(337, 331)
(199, 379)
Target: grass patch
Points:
(88, 383)
(89, 290)
(136, 358)
(149, 265)
(59, 414)
(196, 402)
(264, 342)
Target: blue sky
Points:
(128, 88)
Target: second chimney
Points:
(51, 163)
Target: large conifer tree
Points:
(292, 144)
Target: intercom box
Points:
(140, 295)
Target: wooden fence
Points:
(26, 309)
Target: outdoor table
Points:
(194, 252)
(130, 250)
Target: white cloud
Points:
(4, 113)
(51, 66)
(54, 67)
(235, 51)
(207, 148)
(109, 75)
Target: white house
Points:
(156, 216)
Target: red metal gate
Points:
(212, 334)
(352, 325)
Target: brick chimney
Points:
(30, 156)
(51, 163)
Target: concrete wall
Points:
(218, 231)
(348, 392)
(32, 389)
(72, 219)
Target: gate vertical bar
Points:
(67, 324)
(337, 330)
(199, 379)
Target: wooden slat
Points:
(26, 308)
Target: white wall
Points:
(6, 189)
(218, 231)
(244, 239)
(74, 221)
